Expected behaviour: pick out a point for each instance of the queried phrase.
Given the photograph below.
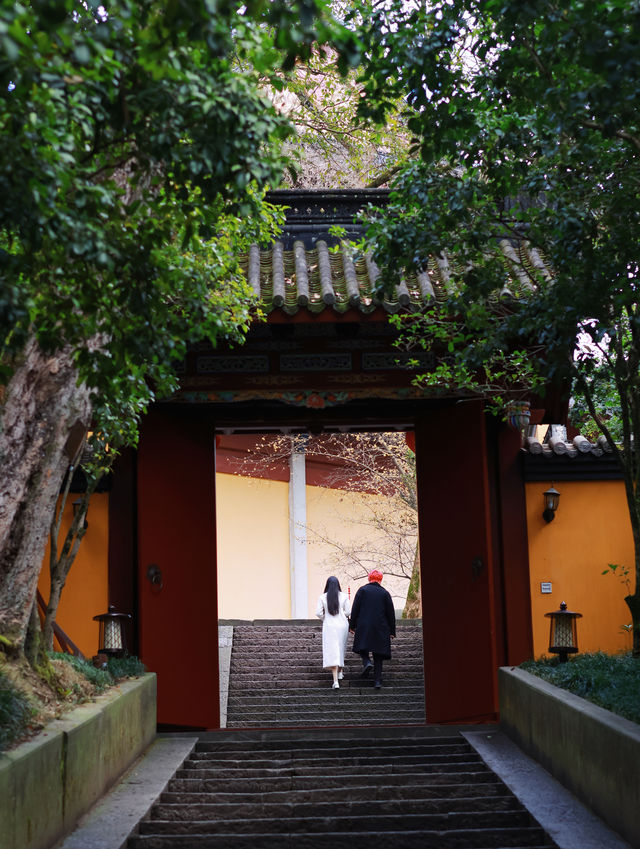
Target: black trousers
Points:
(377, 664)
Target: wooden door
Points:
(456, 565)
(177, 581)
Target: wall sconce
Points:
(551, 498)
(76, 507)
(111, 640)
(563, 634)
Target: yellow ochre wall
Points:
(253, 545)
(252, 518)
(591, 529)
(85, 593)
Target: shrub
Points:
(126, 667)
(100, 678)
(16, 712)
(610, 681)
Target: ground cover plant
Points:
(610, 681)
(27, 702)
(16, 711)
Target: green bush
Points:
(610, 681)
(100, 678)
(126, 667)
(103, 677)
(15, 712)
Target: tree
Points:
(132, 172)
(527, 123)
(330, 147)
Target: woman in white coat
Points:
(334, 608)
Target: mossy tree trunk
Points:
(413, 604)
(44, 415)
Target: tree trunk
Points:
(60, 562)
(413, 604)
(43, 418)
(633, 603)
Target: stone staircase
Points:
(407, 788)
(276, 680)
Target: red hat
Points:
(375, 576)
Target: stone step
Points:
(329, 722)
(322, 769)
(324, 697)
(375, 785)
(335, 719)
(313, 644)
(507, 838)
(383, 741)
(314, 666)
(282, 766)
(220, 811)
(338, 751)
(212, 782)
(279, 655)
(482, 787)
(282, 680)
(180, 810)
(344, 708)
(313, 824)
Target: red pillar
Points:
(177, 534)
(456, 565)
(514, 550)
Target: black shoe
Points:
(378, 684)
(366, 669)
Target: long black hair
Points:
(332, 589)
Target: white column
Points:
(298, 535)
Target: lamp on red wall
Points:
(111, 640)
(563, 634)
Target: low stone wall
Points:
(591, 751)
(49, 782)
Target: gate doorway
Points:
(340, 505)
(462, 499)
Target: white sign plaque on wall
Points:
(545, 587)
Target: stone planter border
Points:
(591, 751)
(49, 782)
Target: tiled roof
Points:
(320, 277)
(556, 446)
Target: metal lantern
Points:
(518, 414)
(563, 634)
(551, 498)
(111, 640)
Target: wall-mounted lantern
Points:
(551, 498)
(518, 415)
(111, 640)
(563, 634)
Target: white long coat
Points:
(335, 629)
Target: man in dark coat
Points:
(373, 620)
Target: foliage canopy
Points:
(527, 124)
